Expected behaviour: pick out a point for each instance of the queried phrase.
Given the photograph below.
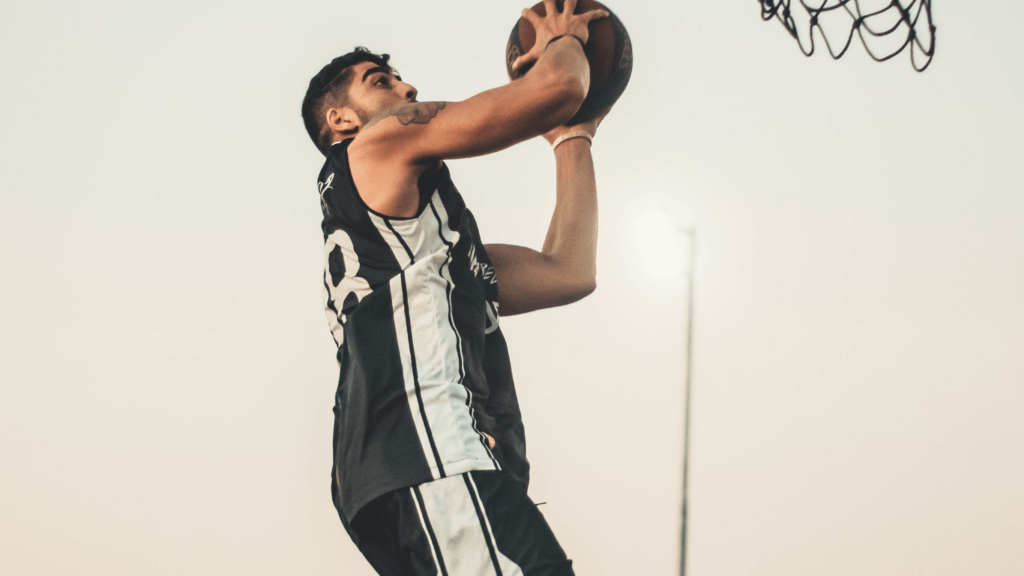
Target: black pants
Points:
(474, 524)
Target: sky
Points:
(858, 357)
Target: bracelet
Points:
(568, 135)
(560, 36)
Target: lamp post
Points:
(690, 231)
(659, 239)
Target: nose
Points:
(410, 92)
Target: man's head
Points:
(349, 91)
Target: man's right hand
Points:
(554, 24)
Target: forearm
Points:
(564, 61)
(416, 133)
(558, 46)
(571, 241)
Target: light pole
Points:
(690, 231)
(659, 240)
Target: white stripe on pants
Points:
(461, 539)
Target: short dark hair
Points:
(333, 80)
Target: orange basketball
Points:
(608, 50)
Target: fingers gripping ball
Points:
(608, 50)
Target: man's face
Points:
(375, 89)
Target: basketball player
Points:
(430, 469)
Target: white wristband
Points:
(568, 135)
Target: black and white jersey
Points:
(412, 305)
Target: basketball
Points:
(608, 50)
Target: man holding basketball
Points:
(430, 468)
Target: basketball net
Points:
(885, 27)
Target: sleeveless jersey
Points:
(424, 368)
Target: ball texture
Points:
(608, 50)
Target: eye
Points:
(382, 81)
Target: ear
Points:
(343, 122)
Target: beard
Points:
(363, 114)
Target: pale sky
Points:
(168, 375)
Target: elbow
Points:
(581, 289)
(588, 288)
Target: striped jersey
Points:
(424, 368)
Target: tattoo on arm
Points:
(412, 113)
(418, 113)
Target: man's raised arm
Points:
(565, 270)
(547, 96)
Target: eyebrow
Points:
(373, 70)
